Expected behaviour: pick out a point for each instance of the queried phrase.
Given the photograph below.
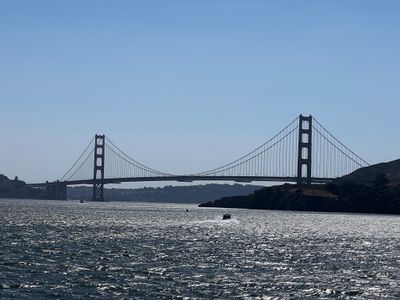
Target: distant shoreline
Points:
(15, 188)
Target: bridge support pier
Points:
(56, 190)
(98, 171)
(304, 150)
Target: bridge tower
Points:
(304, 150)
(98, 169)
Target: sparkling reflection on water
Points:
(64, 250)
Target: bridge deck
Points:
(189, 178)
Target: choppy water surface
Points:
(57, 249)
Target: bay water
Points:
(126, 250)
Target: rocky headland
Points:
(373, 189)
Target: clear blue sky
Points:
(188, 85)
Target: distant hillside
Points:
(15, 188)
(183, 194)
(368, 175)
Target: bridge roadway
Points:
(188, 178)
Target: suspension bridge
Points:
(303, 152)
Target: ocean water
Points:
(72, 250)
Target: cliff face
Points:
(374, 189)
